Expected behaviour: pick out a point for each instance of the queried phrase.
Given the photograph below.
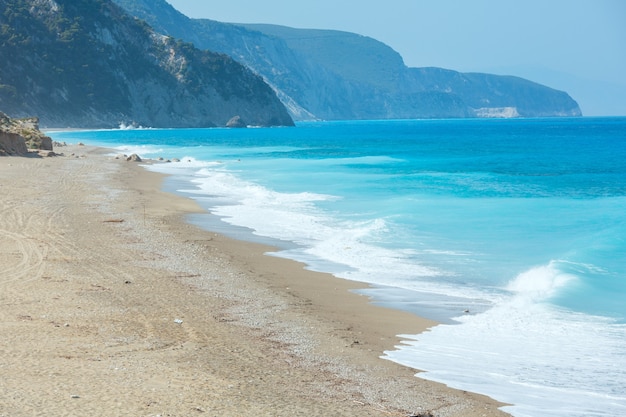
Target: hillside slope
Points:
(86, 63)
(340, 75)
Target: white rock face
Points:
(497, 112)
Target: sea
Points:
(511, 233)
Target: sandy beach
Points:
(112, 305)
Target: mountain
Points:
(87, 63)
(329, 74)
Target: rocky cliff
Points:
(87, 63)
(17, 136)
(339, 75)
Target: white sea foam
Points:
(185, 166)
(540, 283)
(324, 242)
(141, 150)
(570, 365)
(132, 126)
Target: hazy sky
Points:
(574, 45)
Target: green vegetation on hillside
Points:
(88, 62)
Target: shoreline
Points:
(225, 326)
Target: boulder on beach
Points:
(12, 144)
(47, 154)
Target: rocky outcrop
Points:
(12, 144)
(89, 64)
(18, 136)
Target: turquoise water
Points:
(512, 233)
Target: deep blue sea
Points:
(511, 233)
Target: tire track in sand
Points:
(38, 239)
(24, 257)
(28, 229)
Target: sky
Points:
(578, 46)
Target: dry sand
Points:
(111, 305)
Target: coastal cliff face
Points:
(17, 136)
(324, 74)
(87, 63)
